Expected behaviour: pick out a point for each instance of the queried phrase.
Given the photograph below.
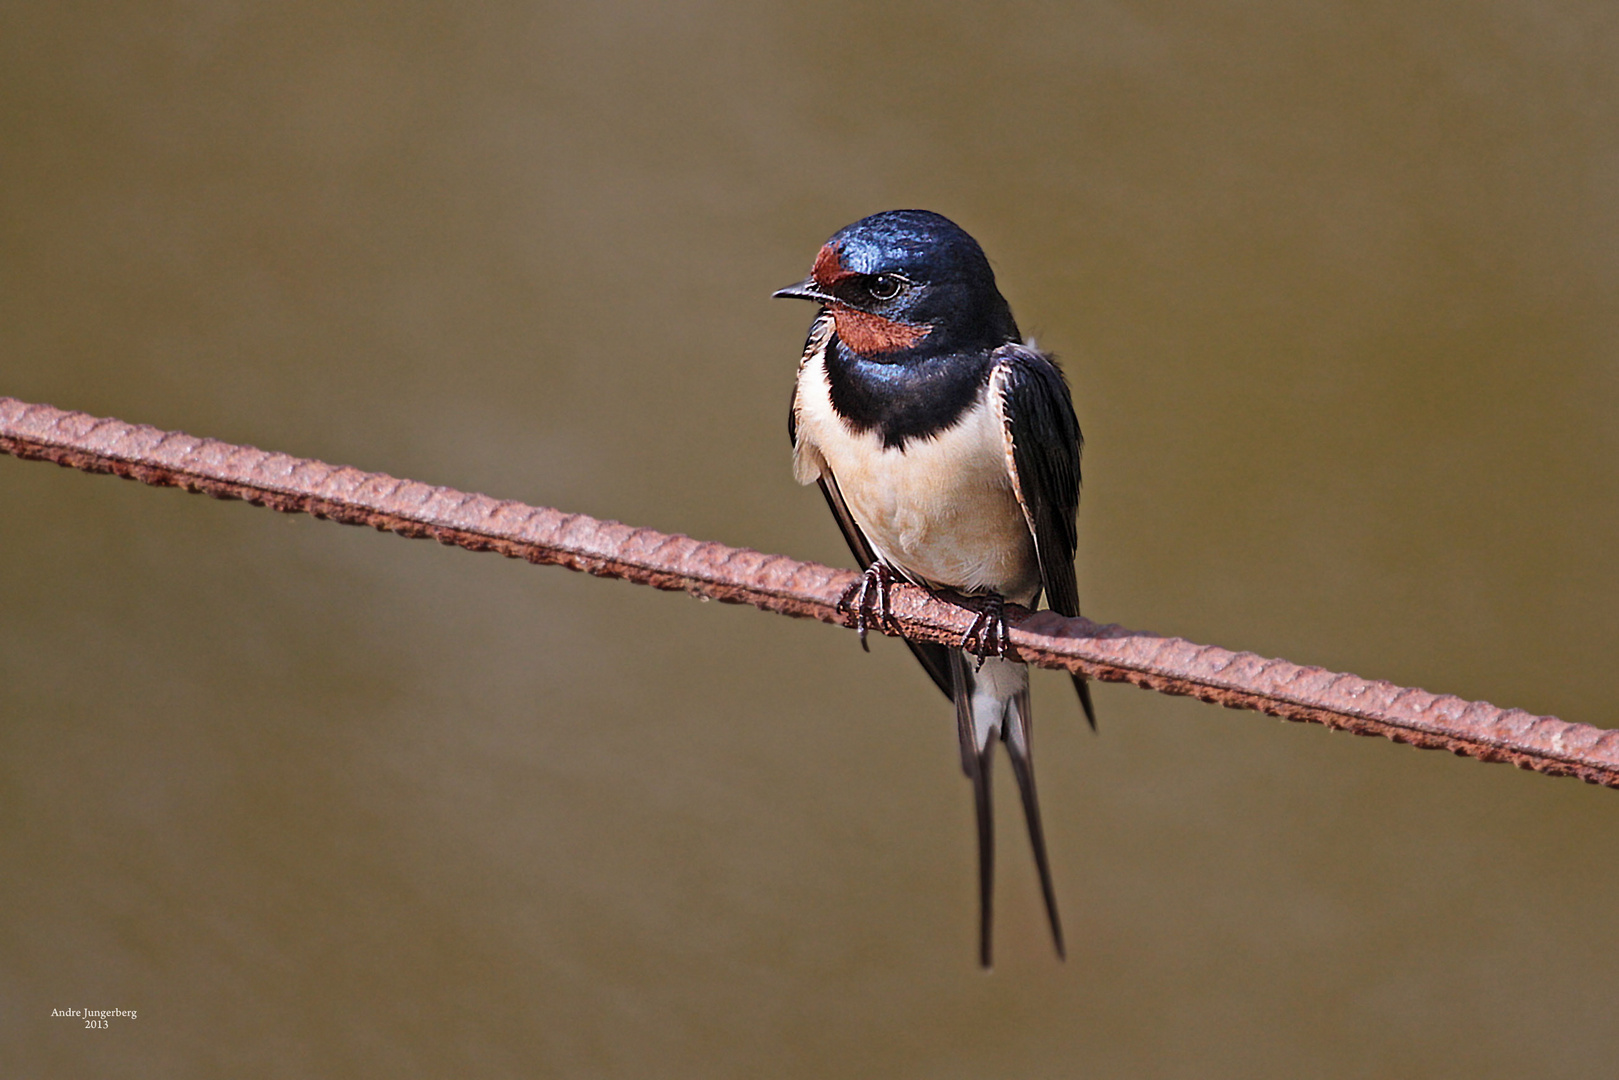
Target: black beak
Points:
(804, 290)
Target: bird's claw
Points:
(988, 635)
(868, 599)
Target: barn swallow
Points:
(948, 452)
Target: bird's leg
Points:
(987, 636)
(868, 598)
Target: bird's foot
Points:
(868, 599)
(987, 636)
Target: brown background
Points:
(1336, 288)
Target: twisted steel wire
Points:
(777, 583)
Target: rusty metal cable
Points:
(804, 590)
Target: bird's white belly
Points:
(942, 510)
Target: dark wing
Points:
(1043, 448)
(935, 659)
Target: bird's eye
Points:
(887, 286)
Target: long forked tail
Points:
(992, 703)
(1082, 686)
(1016, 734)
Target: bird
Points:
(948, 452)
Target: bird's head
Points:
(907, 283)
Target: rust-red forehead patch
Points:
(869, 334)
(865, 333)
(829, 269)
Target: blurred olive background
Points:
(1336, 289)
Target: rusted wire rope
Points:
(805, 590)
